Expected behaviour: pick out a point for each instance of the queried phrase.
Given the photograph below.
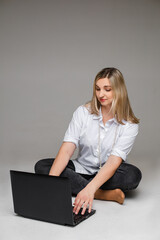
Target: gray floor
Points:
(138, 218)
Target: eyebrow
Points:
(104, 86)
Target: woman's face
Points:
(104, 92)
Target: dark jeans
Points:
(126, 177)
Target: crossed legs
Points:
(127, 177)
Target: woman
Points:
(104, 129)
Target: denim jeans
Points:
(126, 177)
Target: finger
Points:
(76, 201)
(79, 206)
(90, 206)
(84, 208)
(75, 204)
(77, 210)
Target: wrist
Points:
(92, 187)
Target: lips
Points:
(102, 100)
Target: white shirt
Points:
(83, 131)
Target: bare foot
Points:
(110, 195)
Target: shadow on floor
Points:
(132, 194)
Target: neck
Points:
(106, 111)
(106, 114)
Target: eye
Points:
(97, 89)
(108, 90)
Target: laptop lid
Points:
(42, 197)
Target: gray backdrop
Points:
(50, 52)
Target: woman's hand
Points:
(84, 198)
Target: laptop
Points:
(46, 198)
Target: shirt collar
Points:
(100, 116)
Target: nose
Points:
(101, 93)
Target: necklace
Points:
(99, 144)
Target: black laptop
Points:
(46, 198)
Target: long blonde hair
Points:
(121, 108)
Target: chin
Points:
(106, 105)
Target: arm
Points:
(86, 196)
(70, 142)
(106, 172)
(66, 151)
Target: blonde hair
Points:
(121, 108)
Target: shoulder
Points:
(81, 112)
(83, 109)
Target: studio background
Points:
(50, 52)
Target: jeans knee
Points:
(38, 166)
(134, 178)
(43, 166)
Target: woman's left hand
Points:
(84, 198)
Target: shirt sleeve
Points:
(125, 141)
(74, 129)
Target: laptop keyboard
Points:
(79, 217)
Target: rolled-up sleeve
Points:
(74, 129)
(125, 141)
